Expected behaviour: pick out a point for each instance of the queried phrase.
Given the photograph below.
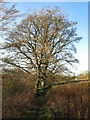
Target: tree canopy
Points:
(43, 41)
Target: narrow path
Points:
(38, 110)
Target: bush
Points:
(16, 80)
(17, 106)
(11, 84)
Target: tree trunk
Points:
(37, 85)
(41, 82)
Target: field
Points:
(67, 101)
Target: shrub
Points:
(16, 80)
(17, 106)
(11, 84)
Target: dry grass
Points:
(69, 101)
(64, 101)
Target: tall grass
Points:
(69, 101)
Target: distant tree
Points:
(8, 17)
(8, 14)
(42, 42)
(83, 75)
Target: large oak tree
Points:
(44, 41)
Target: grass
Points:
(67, 100)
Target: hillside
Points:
(68, 99)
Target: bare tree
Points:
(8, 20)
(8, 14)
(42, 42)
